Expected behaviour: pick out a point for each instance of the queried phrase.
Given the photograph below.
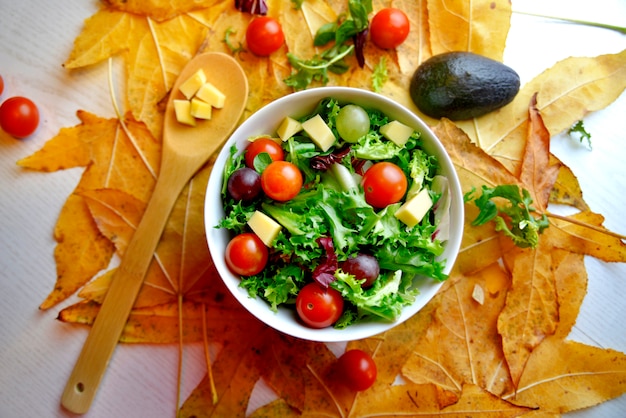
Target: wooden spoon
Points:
(185, 150)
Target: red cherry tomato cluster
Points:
(384, 183)
(19, 116)
(389, 28)
(246, 254)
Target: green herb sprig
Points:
(331, 59)
(578, 131)
(522, 227)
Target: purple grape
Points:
(362, 266)
(244, 184)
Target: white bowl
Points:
(265, 122)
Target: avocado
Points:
(462, 85)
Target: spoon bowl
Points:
(185, 151)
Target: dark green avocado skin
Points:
(462, 85)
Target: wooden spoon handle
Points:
(92, 362)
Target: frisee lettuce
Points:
(327, 209)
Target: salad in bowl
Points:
(333, 214)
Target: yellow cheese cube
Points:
(182, 109)
(288, 128)
(190, 86)
(265, 227)
(319, 132)
(200, 109)
(414, 209)
(211, 94)
(396, 132)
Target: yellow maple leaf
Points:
(113, 160)
(154, 53)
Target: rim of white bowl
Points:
(264, 122)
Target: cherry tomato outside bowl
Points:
(356, 369)
(19, 116)
(318, 307)
(389, 28)
(264, 35)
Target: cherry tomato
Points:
(384, 184)
(19, 117)
(281, 180)
(1, 84)
(318, 307)
(389, 28)
(263, 145)
(246, 254)
(356, 369)
(264, 36)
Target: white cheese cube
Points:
(201, 109)
(396, 132)
(319, 132)
(211, 94)
(288, 128)
(190, 86)
(182, 109)
(265, 227)
(414, 209)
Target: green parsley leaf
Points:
(578, 131)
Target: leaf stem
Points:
(329, 63)
(586, 225)
(619, 29)
(207, 356)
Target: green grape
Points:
(352, 123)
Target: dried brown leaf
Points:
(571, 287)
(583, 233)
(537, 173)
(567, 92)
(462, 345)
(531, 310)
(566, 190)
